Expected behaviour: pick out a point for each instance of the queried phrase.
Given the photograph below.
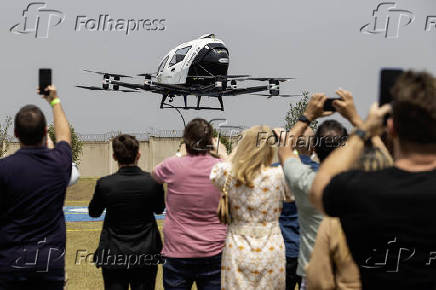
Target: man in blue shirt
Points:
(33, 183)
(299, 177)
(289, 217)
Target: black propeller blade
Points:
(219, 76)
(270, 96)
(147, 74)
(94, 88)
(126, 91)
(267, 79)
(237, 76)
(109, 74)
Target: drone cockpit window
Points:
(179, 55)
(162, 64)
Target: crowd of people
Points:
(339, 210)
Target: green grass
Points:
(84, 275)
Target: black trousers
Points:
(137, 279)
(292, 278)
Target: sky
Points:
(320, 43)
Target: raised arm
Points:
(342, 159)
(61, 126)
(314, 110)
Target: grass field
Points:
(85, 236)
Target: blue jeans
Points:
(181, 273)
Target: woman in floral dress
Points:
(254, 252)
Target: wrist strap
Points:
(362, 134)
(304, 120)
(55, 101)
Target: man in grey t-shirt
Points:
(299, 177)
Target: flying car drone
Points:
(197, 68)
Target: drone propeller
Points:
(219, 76)
(270, 96)
(94, 88)
(237, 76)
(109, 74)
(147, 74)
(267, 79)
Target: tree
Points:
(296, 110)
(4, 138)
(76, 143)
(224, 140)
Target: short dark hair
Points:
(125, 149)
(329, 136)
(414, 107)
(30, 125)
(198, 136)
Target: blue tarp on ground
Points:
(80, 214)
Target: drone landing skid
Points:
(167, 105)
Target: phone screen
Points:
(388, 77)
(44, 79)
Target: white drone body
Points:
(196, 68)
(205, 54)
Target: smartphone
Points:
(44, 80)
(328, 105)
(388, 77)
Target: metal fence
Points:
(145, 136)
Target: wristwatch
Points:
(304, 120)
(362, 134)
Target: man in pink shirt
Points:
(193, 235)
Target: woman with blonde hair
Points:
(254, 252)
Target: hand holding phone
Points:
(328, 104)
(44, 81)
(346, 107)
(388, 77)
